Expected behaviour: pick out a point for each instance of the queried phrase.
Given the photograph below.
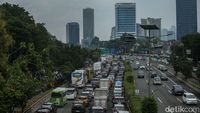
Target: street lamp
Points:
(149, 27)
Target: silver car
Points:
(157, 81)
(189, 98)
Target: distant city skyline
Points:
(57, 13)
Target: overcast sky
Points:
(56, 13)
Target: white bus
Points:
(79, 78)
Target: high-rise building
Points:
(139, 30)
(88, 23)
(186, 17)
(198, 14)
(125, 18)
(112, 36)
(152, 21)
(72, 33)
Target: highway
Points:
(162, 93)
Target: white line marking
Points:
(169, 91)
(179, 100)
(152, 91)
(159, 100)
(167, 86)
(198, 100)
(146, 81)
(163, 85)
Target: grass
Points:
(133, 100)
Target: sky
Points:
(57, 13)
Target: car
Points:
(163, 77)
(153, 74)
(78, 107)
(95, 82)
(118, 107)
(90, 92)
(50, 106)
(149, 69)
(118, 99)
(189, 98)
(140, 74)
(43, 110)
(85, 98)
(142, 67)
(71, 93)
(177, 90)
(96, 109)
(157, 81)
(123, 112)
(162, 68)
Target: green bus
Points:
(58, 96)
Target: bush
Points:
(149, 105)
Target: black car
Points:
(140, 74)
(78, 107)
(163, 77)
(177, 90)
(153, 74)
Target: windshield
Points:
(191, 96)
(70, 91)
(98, 111)
(56, 95)
(77, 74)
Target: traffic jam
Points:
(101, 93)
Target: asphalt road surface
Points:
(162, 93)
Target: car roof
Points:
(188, 93)
(119, 105)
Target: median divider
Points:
(134, 101)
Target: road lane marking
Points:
(146, 81)
(159, 100)
(167, 86)
(179, 100)
(163, 85)
(198, 100)
(169, 91)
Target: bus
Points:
(58, 96)
(79, 78)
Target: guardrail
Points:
(38, 100)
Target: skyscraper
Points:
(112, 36)
(72, 33)
(88, 23)
(186, 17)
(152, 21)
(125, 18)
(198, 14)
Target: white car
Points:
(118, 107)
(71, 93)
(189, 98)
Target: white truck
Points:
(104, 83)
(100, 98)
(97, 66)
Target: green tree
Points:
(149, 105)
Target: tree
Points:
(149, 105)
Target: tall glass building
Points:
(186, 17)
(88, 23)
(125, 18)
(72, 33)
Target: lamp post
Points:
(149, 28)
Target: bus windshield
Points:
(56, 95)
(76, 74)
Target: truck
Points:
(79, 78)
(100, 98)
(97, 66)
(104, 83)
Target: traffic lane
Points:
(175, 81)
(172, 80)
(141, 85)
(65, 109)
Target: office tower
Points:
(112, 37)
(164, 33)
(198, 14)
(72, 33)
(139, 30)
(125, 18)
(152, 21)
(186, 17)
(88, 24)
